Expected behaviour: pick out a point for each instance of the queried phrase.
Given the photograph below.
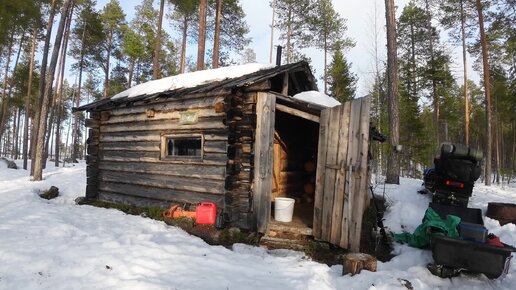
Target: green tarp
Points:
(432, 225)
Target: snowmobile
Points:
(456, 168)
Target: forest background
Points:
(57, 54)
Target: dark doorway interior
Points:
(294, 166)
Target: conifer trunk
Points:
(77, 99)
(202, 34)
(156, 71)
(27, 102)
(487, 91)
(216, 40)
(183, 45)
(59, 99)
(39, 99)
(393, 168)
(42, 126)
(464, 62)
(108, 57)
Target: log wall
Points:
(241, 121)
(124, 154)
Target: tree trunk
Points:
(27, 102)
(183, 45)
(464, 62)
(487, 90)
(393, 168)
(52, 108)
(202, 34)
(216, 40)
(77, 100)
(108, 56)
(38, 162)
(131, 71)
(272, 30)
(434, 83)
(497, 138)
(156, 71)
(14, 134)
(39, 99)
(325, 64)
(412, 87)
(58, 102)
(289, 33)
(4, 84)
(4, 117)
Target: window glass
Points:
(184, 147)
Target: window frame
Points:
(164, 147)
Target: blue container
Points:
(473, 232)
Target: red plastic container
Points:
(206, 213)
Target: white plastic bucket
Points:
(283, 209)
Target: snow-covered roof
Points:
(192, 79)
(318, 98)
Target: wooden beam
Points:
(262, 187)
(297, 113)
(284, 90)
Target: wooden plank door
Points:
(263, 154)
(341, 181)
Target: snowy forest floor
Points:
(56, 244)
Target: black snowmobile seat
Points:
(458, 162)
(457, 167)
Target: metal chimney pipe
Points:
(278, 55)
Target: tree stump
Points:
(355, 262)
(53, 192)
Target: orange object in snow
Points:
(176, 211)
(206, 213)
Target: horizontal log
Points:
(172, 115)
(92, 150)
(186, 170)
(93, 133)
(168, 105)
(155, 193)
(92, 123)
(162, 181)
(215, 147)
(155, 136)
(130, 155)
(142, 146)
(173, 124)
(297, 113)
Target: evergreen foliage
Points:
(342, 82)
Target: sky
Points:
(360, 19)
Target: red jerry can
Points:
(206, 213)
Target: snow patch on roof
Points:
(192, 79)
(318, 98)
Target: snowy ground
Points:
(59, 245)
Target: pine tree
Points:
(393, 174)
(184, 15)
(42, 125)
(342, 82)
(201, 39)
(327, 28)
(156, 70)
(292, 23)
(487, 90)
(233, 28)
(113, 19)
(460, 13)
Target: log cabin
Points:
(238, 137)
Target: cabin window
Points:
(182, 147)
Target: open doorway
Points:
(294, 168)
